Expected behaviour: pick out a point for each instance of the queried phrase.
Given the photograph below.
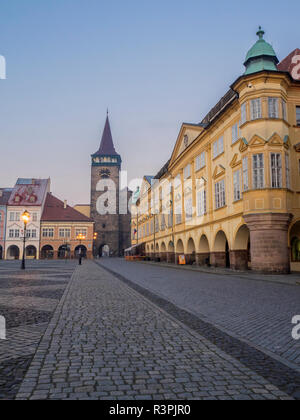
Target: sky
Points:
(153, 64)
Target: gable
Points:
(218, 172)
(186, 137)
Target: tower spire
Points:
(107, 145)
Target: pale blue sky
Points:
(154, 64)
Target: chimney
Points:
(65, 204)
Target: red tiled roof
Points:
(4, 196)
(288, 63)
(54, 211)
(29, 192)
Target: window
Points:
(218, 147)
(14, 233)
(64, 233)
(200, 161)
(273, 108)
(178, 213)
(48, 232)
(187, 171)
(245, 174)
(11, 217)
(284, 110)
(298, 115)
(177, 182)
(235, 133)
(243, 114)
(258, 171)
(256, 109)
(201, 203)
(170, 220)
(220, 199)
(188, 208)
(276, 170)
(34, 217)
(237, 185)
(82, 232)
(287, 171)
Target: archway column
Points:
(171, 257)
(203, 258)
(269, 242)
(239, 259)
(218, 259)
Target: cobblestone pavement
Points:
(259, 312)
(27, 301)
(106, 341)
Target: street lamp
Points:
(25, 217)
(80, 237)
(95, 239)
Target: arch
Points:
(191, 252)
(191, 247)
(148, 248)
(31, 252)
(204, 245)
(241, 253)
(13, 252)
(179, 247)
(152, 247)
(221, 251)
(156, 248)
(1, 252)
(63, 252)
(104, 251)
(204, 251)
(163, 247)
(47, 252)
(294, 239)
(242, 238)
(80, 250)
(171, 247)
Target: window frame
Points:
(220, 194)
(273, 102)
(276, 170)
(258, 172)
(257, 110)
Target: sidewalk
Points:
(291, 279)
(106, 341)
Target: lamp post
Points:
(25, 217)
(95, 239)
(81, 238)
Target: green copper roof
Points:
(261, 56)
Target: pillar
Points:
(269, 242)
(239, 260)
(218, 259)
(203, 258)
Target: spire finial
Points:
(260, 33)
(107, 112)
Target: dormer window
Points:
(17, 199)
(32, 198)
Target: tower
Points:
(106, 166)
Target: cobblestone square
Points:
(109, 333)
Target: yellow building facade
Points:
(230, 194)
